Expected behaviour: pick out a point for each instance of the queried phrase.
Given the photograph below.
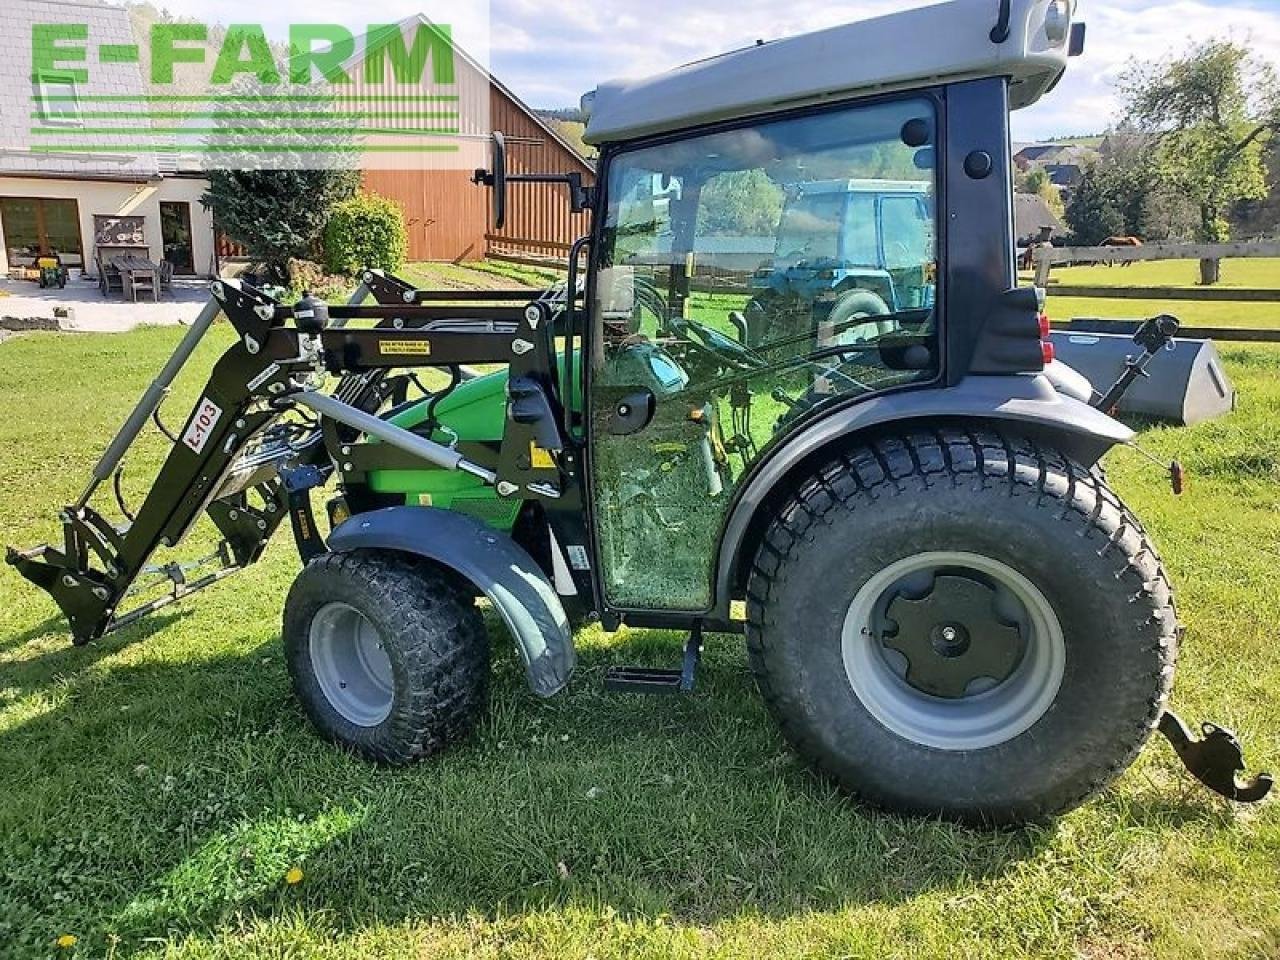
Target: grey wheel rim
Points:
(350, 664)
(1020, 641)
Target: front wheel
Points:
(962, 624)
(388, 653)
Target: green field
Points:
(159, 785)
(1260, 273)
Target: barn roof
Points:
(1031, 214)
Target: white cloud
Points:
(580, 46)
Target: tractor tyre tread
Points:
(973, 457)
(431, 630)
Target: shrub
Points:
(365, 231)
(276, 214)
(307, 276)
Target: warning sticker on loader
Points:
(205, 419)
(540, 458)
(421, 348)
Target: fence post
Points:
(1044, 260)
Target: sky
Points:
(552, 51)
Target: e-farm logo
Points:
(327, 95)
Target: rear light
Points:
(1046, 345)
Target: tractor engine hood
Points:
(947, 42)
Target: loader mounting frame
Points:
(212, 467)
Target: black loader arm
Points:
(239, 459)
(99, 561)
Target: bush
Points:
(306, 276)
(365, 231)
(276, 214)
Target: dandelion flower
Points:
(66, 941)
(294, 876)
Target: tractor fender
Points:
(498, 567)
(1028, 402)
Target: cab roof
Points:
(943, 43)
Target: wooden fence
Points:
(1046, 257)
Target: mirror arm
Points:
(580, 197)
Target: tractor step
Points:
(656, 679)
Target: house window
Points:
(59, 103)
(35, 226)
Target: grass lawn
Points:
(1258, 272)
(478, 274)
(1262, 272)
(160, 784)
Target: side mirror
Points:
(580, 197)
(496, 179)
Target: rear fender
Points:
(1022, 403)
(497, 566)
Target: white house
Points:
(111, 197)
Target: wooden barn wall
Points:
(445, 213)
(448, 216)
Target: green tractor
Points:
(945, 606)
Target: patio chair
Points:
(165, 276)
(142, 282)
(109, 278)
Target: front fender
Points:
(499, 567)
(1026, 402)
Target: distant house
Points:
(118, 195)
(1032, 218)
(1035, 154)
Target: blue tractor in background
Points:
(848, 248)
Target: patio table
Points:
(138, 273)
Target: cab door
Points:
(683, 402)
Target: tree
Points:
(277, 214)
(1094, 213)
(572, 131)
(276, 204)
(740, 203)
(1209, 114)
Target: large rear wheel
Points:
(388, 654)
(962, 624)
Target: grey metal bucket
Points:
(1188, 384)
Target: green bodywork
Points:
(476, 413)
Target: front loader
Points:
(893, 491)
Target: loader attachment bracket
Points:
(1214, 760)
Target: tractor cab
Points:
(789, 388)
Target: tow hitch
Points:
(1215, 760)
